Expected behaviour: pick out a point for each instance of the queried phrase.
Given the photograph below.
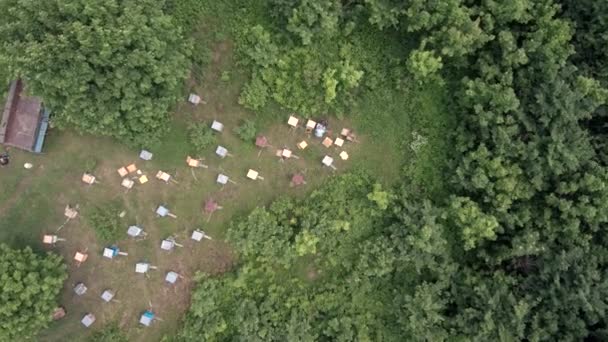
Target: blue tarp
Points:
(44, 125)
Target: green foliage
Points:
(423, 64)
(200, 136)
(591, 30)
(186, 13)
(313, 75)
(105, 220)
(336, 229)
(255, 93)
(515, 253)
(473, 224)
(29, 284)
(109, 333)
(380, 196)
(127, 62)
(225, 76)
(247, 131)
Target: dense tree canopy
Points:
(105, 67)
(516, 253)
(29, 285)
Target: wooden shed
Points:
(24, 120)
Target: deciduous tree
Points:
(29, 285)
(104, 67)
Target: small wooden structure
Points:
(310, 126)
(165, 177)
(297, 180)
(199, 235)
(122, 172)
(162, 211)
(348, 135)
(253, 174)
(328, 161)
(80, 257)
(80, 289)
(293, 122)
(194, 99)
(107, 295)
(161, 175)
(261, 142)
(222, 152)
(143, 179)
(24, 120)
(51, 239)
(144, 267)
(136, 232)
(320, 130)
(88, 320)
(195, 162)
(344, 155)
(327, 142)
(132, 168)
(145, 155)
(147, 318)
(172, 277)
(70, 212)
(210, 207)
(302, 145)
(88, 178)
(217, 126)
(286, 154)
(223, 179)
(169, 243)
(339, 142)
(127, 183)
(113, 251)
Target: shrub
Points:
(29, 284)
(105, 219)
(201, 136)
(246, 131)
(254, 94)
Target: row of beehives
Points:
(131, 173)
(111, 252)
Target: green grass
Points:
(35, 206)
(32, 201)
(390, 117)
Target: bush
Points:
(201, 136)
(255, 94)
(105, 220)
(30, 284)
(114, 86)
(246, 131)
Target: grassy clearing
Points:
(33, 200)
(34, 205)
(391, 117)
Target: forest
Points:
(515, 249)
(499, 236)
